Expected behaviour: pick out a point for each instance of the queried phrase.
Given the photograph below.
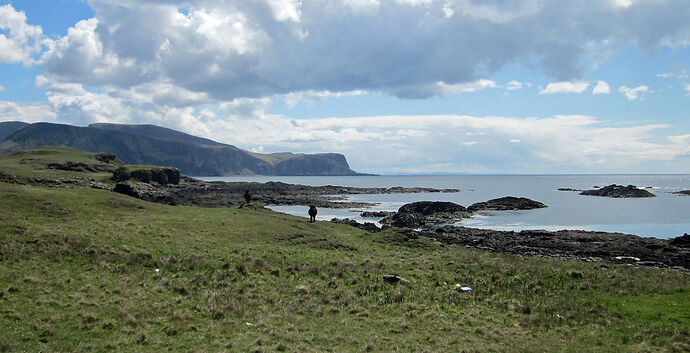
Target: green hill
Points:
(87, 270)
(149, 144)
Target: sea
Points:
(665, 216)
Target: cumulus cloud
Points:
(565, 87)
(633, 93)
(19, 41)
(687, 88)
(13, 111)
(230, 49)
(2, 88)
(410, 143)
(601, 88)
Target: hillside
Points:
(91, 270)
(8, 128)
(149, 144)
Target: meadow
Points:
(83, 270)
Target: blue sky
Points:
(398, 86)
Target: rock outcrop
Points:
(619, 191)
(683, 192)
(508, 203)
(162, 176)
(572, 245)
(416, 214)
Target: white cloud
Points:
(687, 88)
(680, 74)
(508, 144)
(20, 41)
(514, 85)
(2, 88)
(468, 87)
(565, 87)
(622, 3)
(633, 93)
(601, 88)
(286, 10)
(236, 48)
(295, 97)
(31, 113)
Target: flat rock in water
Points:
(376, 214)
(683, 192)
(430, 207)
(619, 191)
(421, 213)
(508, 203)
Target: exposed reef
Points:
(619, 191)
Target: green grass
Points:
(78, 274)
(33, 164)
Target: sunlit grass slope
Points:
(90, 270)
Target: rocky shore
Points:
(432, 218)
(572, 245)
(579, 245)
(193, 192)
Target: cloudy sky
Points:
(398, 86)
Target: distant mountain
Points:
(155, 145)
(8, 128)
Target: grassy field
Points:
(90, 270)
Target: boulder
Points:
(619, 191)
(508, 203)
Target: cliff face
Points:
(154, 145)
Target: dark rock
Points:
(572, 245)
(508, 203)
(568, 189)
(162, 176)
(619, 191)
(683, 192)
(416, 214)
(367, 226)
(107, 158)
(121, 174)
(426, 208)
(682, 241)
(376, 214)
(126, 189)
(404, 220)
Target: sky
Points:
(397, 86)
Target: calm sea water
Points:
(664, 216)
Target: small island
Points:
(619, 191)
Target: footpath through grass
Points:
(85, 270)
